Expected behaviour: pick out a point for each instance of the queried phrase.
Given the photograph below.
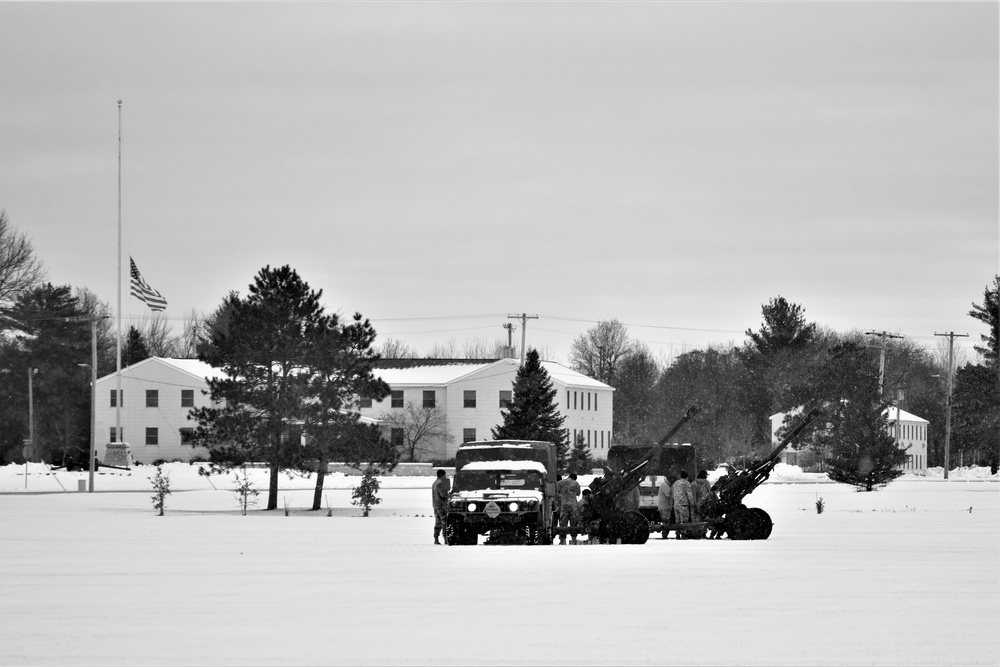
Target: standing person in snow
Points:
(700, 490)
(439, 496)
(665, 504)
(682, 499)
(567, 490)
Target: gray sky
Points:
(438, 166)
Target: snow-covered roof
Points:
(445, 374)
(428, 375)
(505, 465)
(196, 369)
(890, 414)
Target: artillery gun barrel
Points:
(806, 419)
(691, 412)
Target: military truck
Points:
(503, 489)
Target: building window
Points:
(469, 398)
(588, 400)
(365, 403)
(397, 399)
(112, 437)
(506, 398)
(595, 401)
(468, 435)
(567, 399)
(152, 398)
(187, 435)
(187, 398)
(114, 403)
(430, 399)
(396, 437)
(152, 436)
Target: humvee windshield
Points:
(479, 480)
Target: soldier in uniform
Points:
(567, 490)
(682, 498)
(439, 497)
(665, 504)
(700, 490)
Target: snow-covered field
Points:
(907, 575)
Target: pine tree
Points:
(859, 445)
(532, 414)
(263, 350)
(580, 460)
(135, 348)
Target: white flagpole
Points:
(118, 346)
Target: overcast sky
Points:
(439, 166)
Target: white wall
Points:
(594, 422)
(168, 418)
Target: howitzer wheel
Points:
(638, 528)
(739, 524)
(762, 524)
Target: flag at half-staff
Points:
(144, 292)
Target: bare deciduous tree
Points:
(422, 429)
(20, 270)
(598, 353)
(393, 348)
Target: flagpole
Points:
(118, 338)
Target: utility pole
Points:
(881, 364)
(509, 326)
(947, 401)
(524, 325)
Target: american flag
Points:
(144, 292)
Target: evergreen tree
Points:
(56, 341)
(989, 314)
(135, 348)
(340, 367)
(855, 435)
(532, 414)
(263, 352)
(580, 460)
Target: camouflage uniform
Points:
(567, 490)
(439, 497)
(700, 489)
(682, 500)
(665, 503)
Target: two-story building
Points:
(157, 395)
(471, 394)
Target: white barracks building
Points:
(158, 394)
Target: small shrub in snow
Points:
(246, 492)
(365, 494)
(161, 489)
(820, 505)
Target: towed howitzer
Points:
(727, 513)
(630, 526)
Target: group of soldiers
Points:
(678, 500)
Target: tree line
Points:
(785, 364)
(789, 363)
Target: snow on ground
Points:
(906, 575)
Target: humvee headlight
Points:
(512, 507)
(472, 507)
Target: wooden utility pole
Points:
(884, 335)
(524, 325)
(947, 400)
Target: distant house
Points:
(912, 436)
(156, 396)
(472, 393)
